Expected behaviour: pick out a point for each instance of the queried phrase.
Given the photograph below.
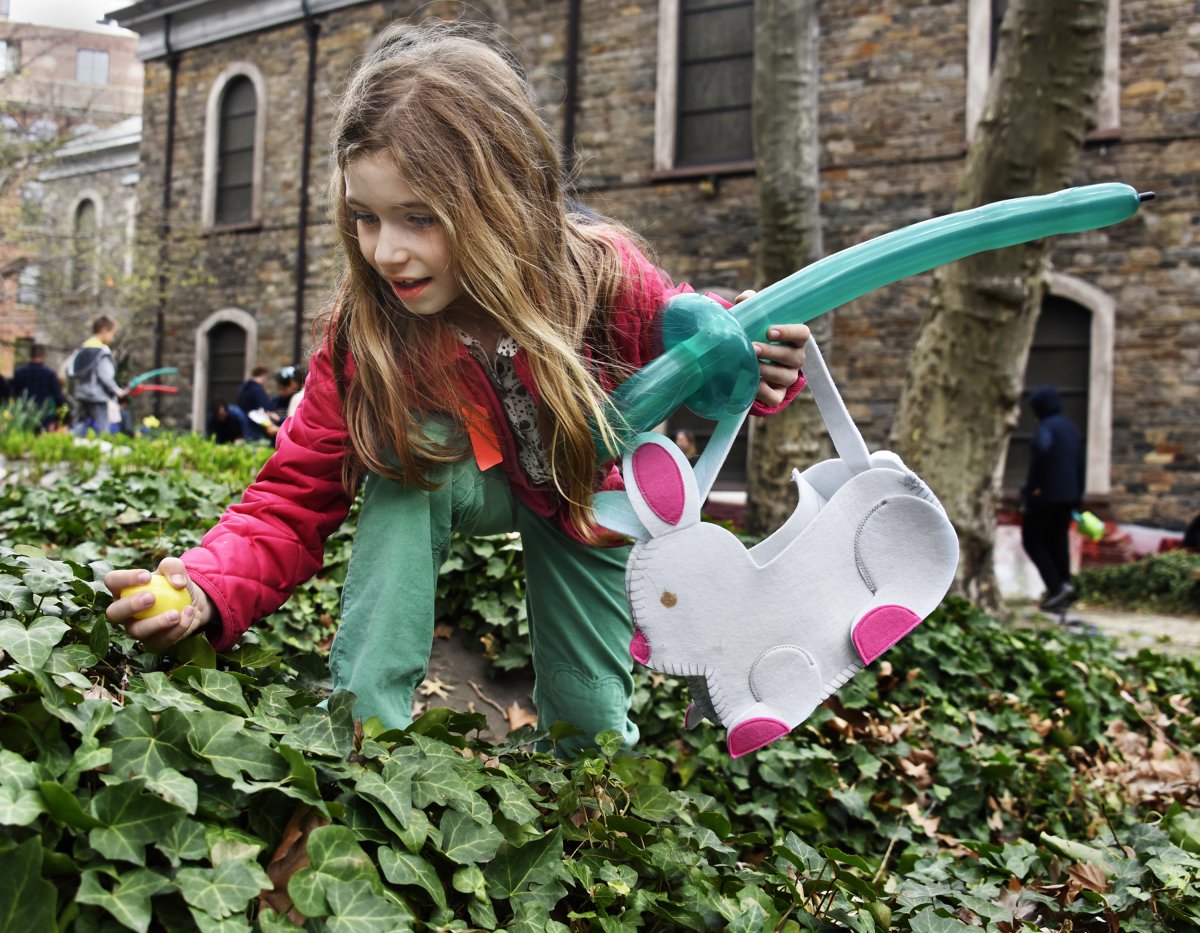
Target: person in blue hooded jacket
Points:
(1053, 490)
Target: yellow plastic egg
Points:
(166, 597)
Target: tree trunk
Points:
(965, 375)
(785, 149)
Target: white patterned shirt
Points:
(517, 402)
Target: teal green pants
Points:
(579, 621)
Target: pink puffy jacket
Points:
(273, 539)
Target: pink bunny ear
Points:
(660, 485)
(658, 480)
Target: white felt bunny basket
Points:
(764, 635)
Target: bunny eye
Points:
(668, 599)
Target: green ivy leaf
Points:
(303, 776)
(158, 694)
(129, 818)
(197, 652)
(231, 748)
(47, 576)
(318, 734)
(219, 686)
(466, 840)
(356, 908)
(142, 744)
(223, 890)
(469, 880)
(656, 803)
(62, 806)
(405, 868)
(392, 789)
(333, 855)
(175, 788)
(129, 900)
(98, 639)
(20, 801)
(183, 841)
(16, 594)
(27, 901)
(30, 647)
(516, 869)
(927, 921)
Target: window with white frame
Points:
(983, 31)
(29, 290)
(705, 83)
(235, 153)
(91, 66)
(84, 253)
(234, 142)
(10, 56)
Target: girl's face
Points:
(400, 238)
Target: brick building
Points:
(56, 86)
(652, 97)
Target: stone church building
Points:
(652, 98)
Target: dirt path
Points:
(1132, 630)
(460, 678)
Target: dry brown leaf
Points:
(1086, 876)
(518, 716)
(927, 823)
(290, 856)
(435, 686)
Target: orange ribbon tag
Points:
(484, 443)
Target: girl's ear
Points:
(661, 486)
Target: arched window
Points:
(234, 142)
(235, 153)
(83, 246)
(226, 362)
(226, 343)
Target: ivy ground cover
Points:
(978, 777)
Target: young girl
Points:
(467, 352)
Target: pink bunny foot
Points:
(753, 734)
(881, 628)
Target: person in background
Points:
(252, 398)
(38, 383)
(226, 424)
(94, 374)
(1053, 490)
(294, 401)
(685, 440)
(291, 383)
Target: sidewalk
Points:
(1018, 580)
(1136, 630)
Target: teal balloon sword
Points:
(708, 361)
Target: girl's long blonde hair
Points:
(459, 122)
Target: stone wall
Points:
(893, 134)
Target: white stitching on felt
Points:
(863, 571)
